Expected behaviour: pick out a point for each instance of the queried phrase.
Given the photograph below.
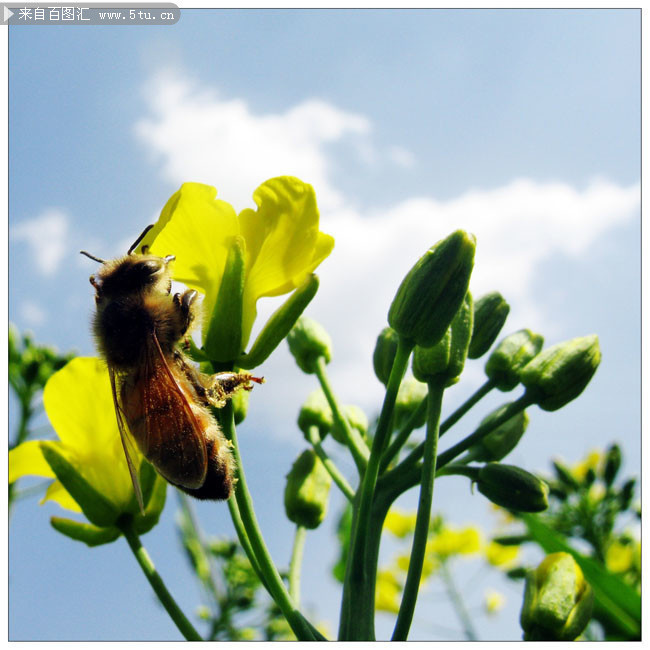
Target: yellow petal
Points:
(79, 403)
(57, 493)
(283, 242)
(27, 460)
(197, 228)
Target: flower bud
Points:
(490, 313)
(559, 374)
(510, 356)
(384, 354)
(356, 418)
(307, 491)
(612, 464)
(512, 487)
(461, 333)
(239, 401)
(558, 601)
(316, 412)
(447, 357)
(433, 290)
(410, 395)
(502, 440)
(565, 476)
(307, 341)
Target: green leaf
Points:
(616, 603)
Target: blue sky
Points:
(520, 126)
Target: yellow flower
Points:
(494, 601)
(593, 459)
(280, 242)
(88, 456)
(387, 595)
(400, 523)
(620, 557)
(450, 542)
(500, 555)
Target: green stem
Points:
(402, 436)
(416, 454)
(314, 438)
(353, 440)
(408, 474)
(458, 603)
(510, 411)
(270, 575)
(416, 562)
(296, 563)
(356, 623)
(156, 582)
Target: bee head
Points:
(132, 274)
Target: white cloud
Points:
(46, 236)
(198, 135)
(32, 314)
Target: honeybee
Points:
(161, 400)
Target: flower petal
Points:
(198, 229)
(79, 403)
(27, 460)
(57, 493)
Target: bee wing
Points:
(173, 440)
(127, 443)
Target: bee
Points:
(162, 401)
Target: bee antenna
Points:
(92, 257)
(139, 239)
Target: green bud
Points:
(490, 313)
(316, 412)
(502, 440)
(223, 336)
(559, 374)
(461, 333)
(626, 494)
(280, 324)
(307, 491)
(307, 341)
(356, 418)
(384, 354)
(433, 290)
(433, 361)
(510, 356)
(411, 393)
(447, 357)
(513, 488)
(239, 401)
(565, 476)
(612, 464)
(86, 533)
(558, 601)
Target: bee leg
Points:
(184, 304)
(222, 386)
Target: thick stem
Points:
(357, 619)
(156, 582)
(416, 562)
(269, 573)
(449, 422)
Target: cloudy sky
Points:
(522, 127)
